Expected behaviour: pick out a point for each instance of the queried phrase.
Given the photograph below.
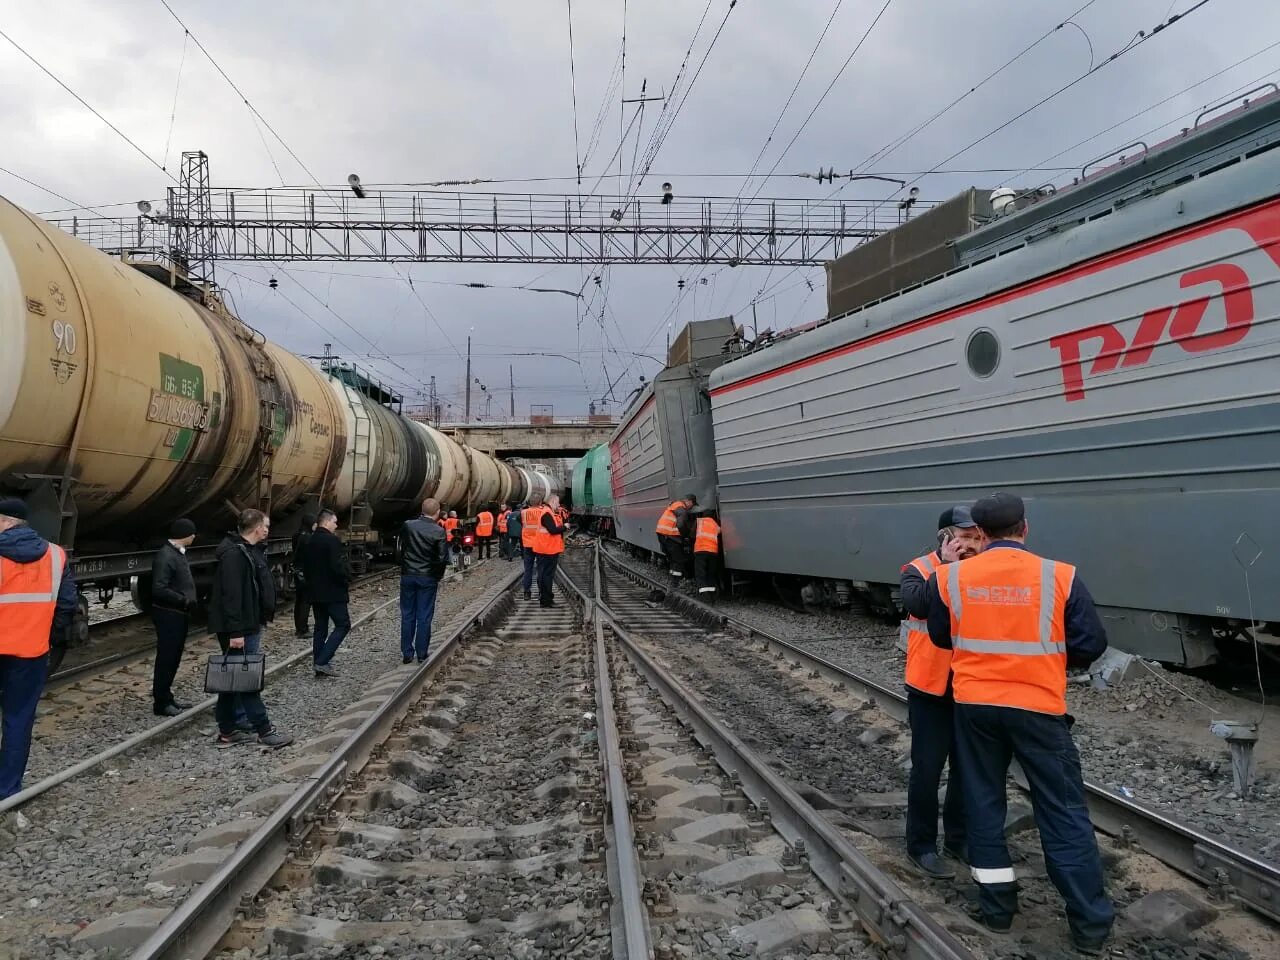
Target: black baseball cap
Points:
(13, 507)
(999, 511)
(957, 516)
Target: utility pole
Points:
(511, 372)
(433, 404)
(755, 324)
(467, 416)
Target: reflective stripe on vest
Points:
(28, 600)
(928, 666)
(531, 523)
(667, 526)
(1008, 630)
(484, 524)
(502, 522)
(707, 539)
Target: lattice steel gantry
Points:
(432, 226)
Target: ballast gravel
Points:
(1146, 738)
(87, 849)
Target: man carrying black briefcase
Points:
(242, 600)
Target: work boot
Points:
(233, 739)
(168, 710)
(325, 670)
(406, 659)
(180, 704)
(994, 924)
(274, 739)
(931, 866)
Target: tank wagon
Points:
(125, 404)
(1107, 350)
(591, 490)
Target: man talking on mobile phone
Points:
(930, 706)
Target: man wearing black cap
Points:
(37, 599)
(173, 594)
(1014, 623)
(929, 705)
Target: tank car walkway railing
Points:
(291, 224)
(1211, 862)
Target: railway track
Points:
(837, 743)
(525, 793)
(85, 695)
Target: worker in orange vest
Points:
(547, 547)
(37, 599)
(674, 528)
(1014, 623)
(530, 530)
(500, 523)
(929, 706)
(484, 534)
(450, 523)
(706, 555)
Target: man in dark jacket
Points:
(28, 564)
(326, 576)
(423, 561)
(242, 600)
(301, 602)
(514, 526)
(173, 594)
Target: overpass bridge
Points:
(545, 438)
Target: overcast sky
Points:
(419, 91)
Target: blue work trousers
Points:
(529, 557)
(987, 738)
(323, 648)
(932, 738)
(546, 564)
(241, 709)
(21, 683)
(417, 608)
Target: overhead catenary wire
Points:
(306, 169)
(173, 112)
(573, 87)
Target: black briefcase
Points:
(235, 672)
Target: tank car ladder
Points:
(361, 511)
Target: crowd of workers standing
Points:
(991, 631)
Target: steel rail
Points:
(1184, 848)
(884, 909)
(196, 925)
(626, 874)
(27, 794)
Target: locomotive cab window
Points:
(982, 353)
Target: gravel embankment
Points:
(79, 720)
(87, 849)
(1147, 737)
(819, 739)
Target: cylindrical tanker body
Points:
(511, 482)
(486, 480)
(153, 405)
(536, 482)
(455, 470)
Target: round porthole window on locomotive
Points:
(983, 353)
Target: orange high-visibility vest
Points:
(28, 596)
(484, 524)
(928, 667)
(502, 522)
(707, 539)
(667, 522)
(450, 524)
(1008, 629)
(530, 525)
(547, 542)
